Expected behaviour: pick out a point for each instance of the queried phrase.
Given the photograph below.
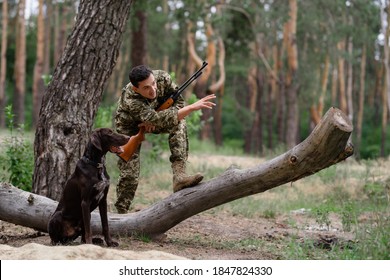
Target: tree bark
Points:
(326, 145)
(72, 98)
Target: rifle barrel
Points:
(191, 79)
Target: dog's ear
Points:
(95, 140)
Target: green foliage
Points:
(376, 191)
(194, 119)
(234, 124)
(374, 239)
(328, 175)
(104, 116)
(159, 144)
(47, 79)
(269, 214)
(348, 216)
(143, 237)
(371, 139)
(18, 161)
(321, 214)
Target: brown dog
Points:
(85, 190)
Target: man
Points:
(136, 108)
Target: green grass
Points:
(371, 242)
(16, 158)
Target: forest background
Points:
(276, 66)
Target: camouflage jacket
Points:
(134, 109)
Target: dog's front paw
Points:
(97, 241)
(112, 243)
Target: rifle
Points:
(135, 140)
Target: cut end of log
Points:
(341, 120)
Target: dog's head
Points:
(61, 230)
(104, 139)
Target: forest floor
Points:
(205, 236)
(265, 226)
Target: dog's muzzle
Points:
(116, 150)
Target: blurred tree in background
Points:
(275, 65)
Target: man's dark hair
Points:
(138, 74)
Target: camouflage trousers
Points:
(129, 171)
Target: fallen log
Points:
(325, 146)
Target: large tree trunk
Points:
(72, 98)
(326, 145)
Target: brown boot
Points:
(181, 180)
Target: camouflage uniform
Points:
(134, 109)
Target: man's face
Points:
(147, 88)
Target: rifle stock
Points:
(135, 140)
(132, 145)
(168, 103)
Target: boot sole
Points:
(193, 184)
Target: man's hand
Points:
(148, 127)
(204, 103)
